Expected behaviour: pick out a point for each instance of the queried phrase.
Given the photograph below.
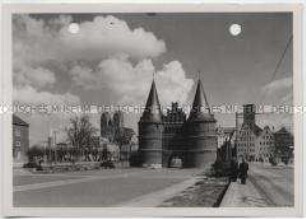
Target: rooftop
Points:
(19, 121)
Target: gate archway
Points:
(176, 160)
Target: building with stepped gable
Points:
(163, 138)
(253, 142)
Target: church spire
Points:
(152, 112)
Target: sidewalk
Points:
(239, 195)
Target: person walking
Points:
(234, 169)
(243, 171)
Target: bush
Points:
(107, 164)
(36, 151)
(285, 160)
(39, 168)
(218, 169)
(31, 164)
(272, 161)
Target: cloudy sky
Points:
(110, 59)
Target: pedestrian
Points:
(234, 169)
(243, 171)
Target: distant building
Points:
(284, 144)
(113, 130)
(163, 138)
(112, 127)
(20, 140)
(253, 142)
(246, 140)
(265, 145)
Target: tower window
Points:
(17, 144)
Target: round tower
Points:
(151, 132)
(201, 132)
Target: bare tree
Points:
(80, 133)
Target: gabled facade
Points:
(253, 142)
(264, 145)
(246, 142)
(174, 139)
(248, 133)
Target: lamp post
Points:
(55, 146)
(50, 150)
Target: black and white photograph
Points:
(153, 109)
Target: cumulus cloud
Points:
(107, 38)
(30, 95)
(39, 76)
(280, 91)
(279, 84)
(131, 83)
(278, 94)
(37, 40)
(173, 84)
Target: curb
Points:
(222, 195)
(227, 196)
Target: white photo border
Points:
(6, 96)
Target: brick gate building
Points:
(164, 137)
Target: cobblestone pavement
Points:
(266, 186)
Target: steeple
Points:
(200, 108)
(152, 112)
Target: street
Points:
(99, 188)
(266, 186)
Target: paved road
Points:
(266, 186)
(96, 188)
(276, 184)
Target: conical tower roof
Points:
(152, 112)
(200, 109)
(200, 100)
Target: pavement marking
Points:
(154, 199)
